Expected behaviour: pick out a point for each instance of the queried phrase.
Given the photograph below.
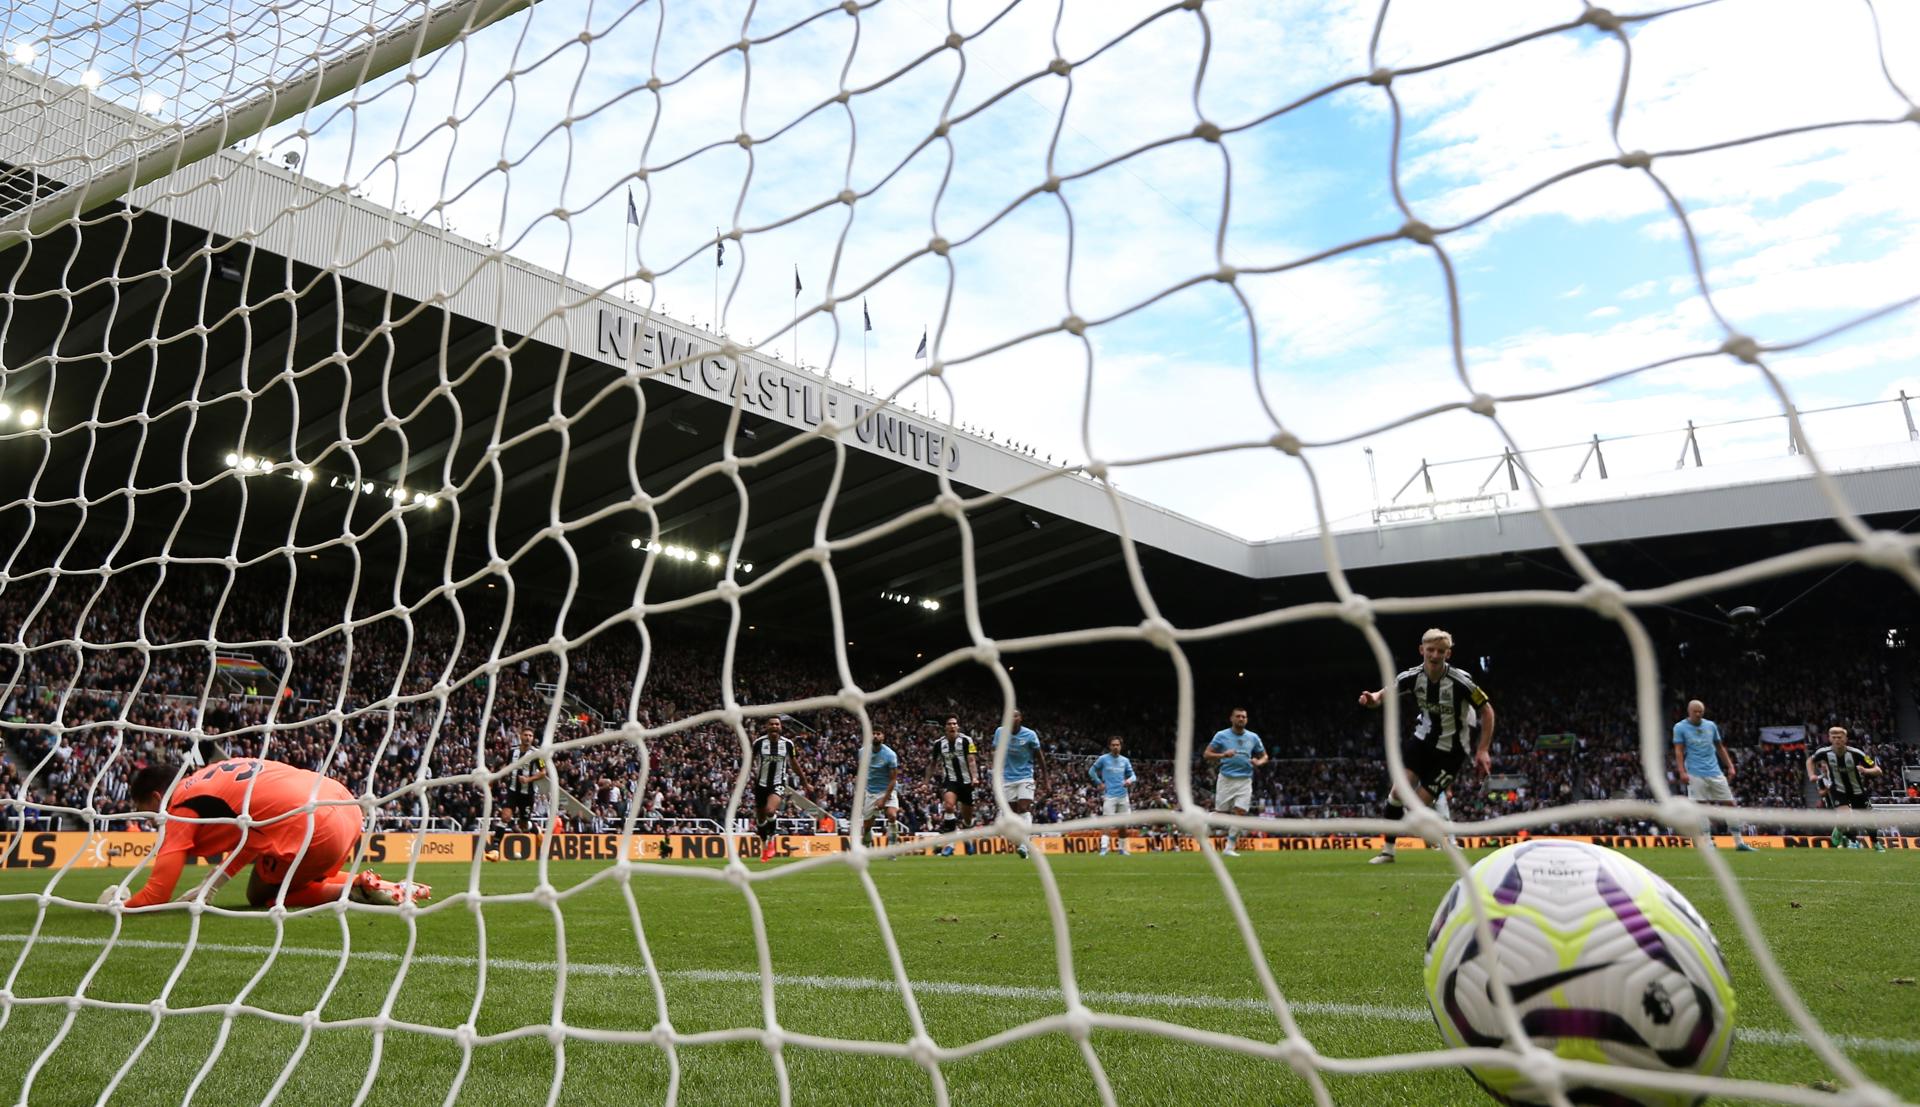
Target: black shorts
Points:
(962, 793)
(1837, 800)
(761, 792)
(1434, 769)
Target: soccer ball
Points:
(1605, 962)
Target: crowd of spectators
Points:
(97, 682)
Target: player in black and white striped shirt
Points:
(1444, 706)
(1843, 773)
(957, 762)
(773, 772)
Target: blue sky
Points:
(1585, 279)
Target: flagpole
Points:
(796, 315)
(627, 247)
(716, 280)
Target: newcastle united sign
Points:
(763, 388)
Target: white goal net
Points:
(454, 398)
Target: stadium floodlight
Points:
(232, 460)
(6, 411)
(29, 417)
(90, 80)
(634, 543)
(25, 53)
(924, 603)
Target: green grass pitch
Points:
(1152, 938)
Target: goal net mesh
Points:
(250, 212)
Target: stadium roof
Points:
(309, 329)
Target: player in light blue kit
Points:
(1239, 751)
(883, 771)
(1698, 759)
(1024, 760)
(1114, 773)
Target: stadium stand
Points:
(1327, 754)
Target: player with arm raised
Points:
(883, 797)
(1025, 759)
(1114, 773)
(1237, 752)
(288, 846)
(958, 763)
(774, 771)
(1698, 758)
(1842, 773)
(1441, 702)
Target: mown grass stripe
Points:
(1759, 1036)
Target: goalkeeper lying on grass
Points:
(273, 794)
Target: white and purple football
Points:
(1605, 961)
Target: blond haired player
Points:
(1442, 702)
(1842, 774)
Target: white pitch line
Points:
(1739, 878)
(1758, 1036)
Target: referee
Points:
(1842, 774)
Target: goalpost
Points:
(151, 151)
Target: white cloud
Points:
(1796, 234)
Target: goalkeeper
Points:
(289, 847)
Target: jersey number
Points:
(251, 767)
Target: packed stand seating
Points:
(362, 702)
